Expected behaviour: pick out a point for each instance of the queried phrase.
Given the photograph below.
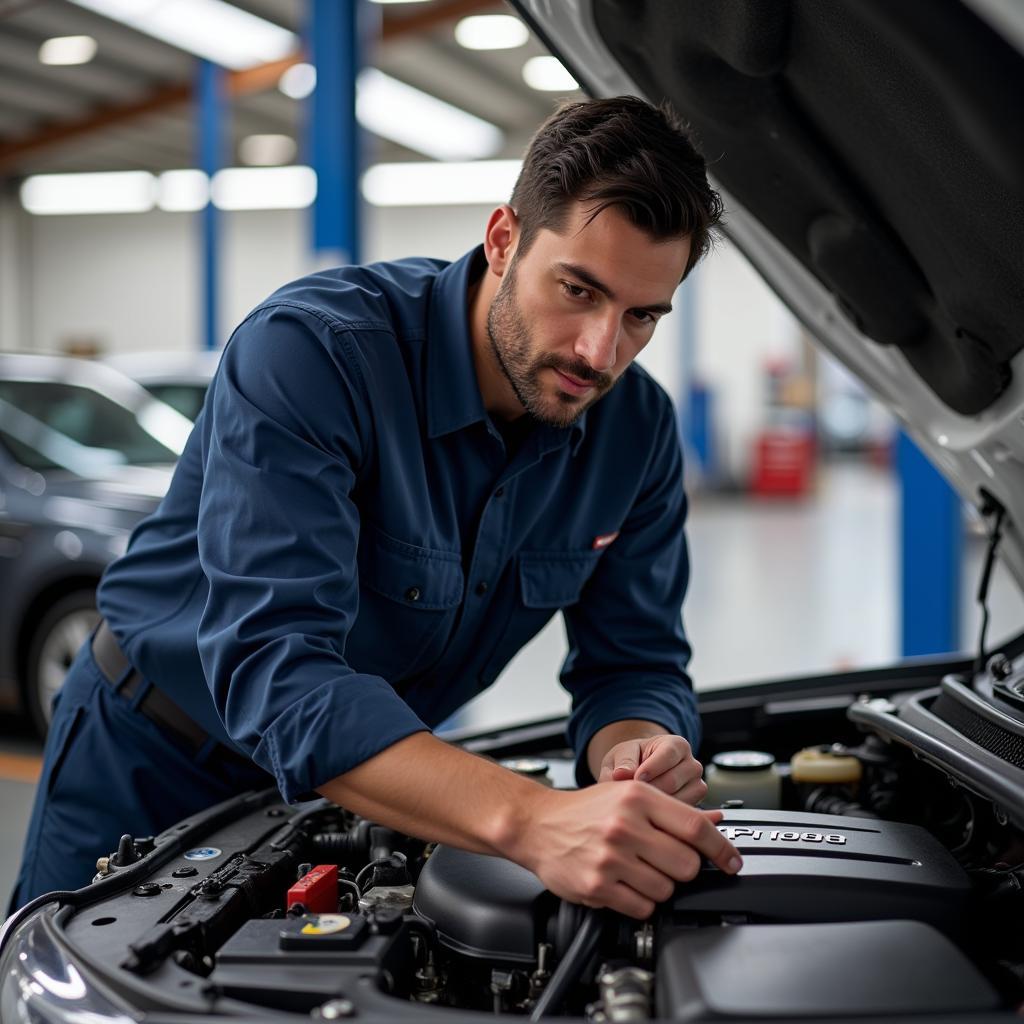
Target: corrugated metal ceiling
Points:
(129, 107)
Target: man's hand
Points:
(664, 761)
(645, 752)
(623, 846)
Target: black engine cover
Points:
(797, 867)
(815, 971)
(817, 867)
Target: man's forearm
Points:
(427, 788)
(618, 732)
(623, 846)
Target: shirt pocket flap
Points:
(554, 579)
(415, 576)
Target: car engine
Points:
(883, 883)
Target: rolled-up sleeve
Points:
(628, 651)
(285, 437)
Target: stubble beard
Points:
(513, 348)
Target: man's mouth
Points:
(573, 385)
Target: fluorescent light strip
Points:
(406, 115)
(183, 191)
(106, 192)
(298, 81)
(447, 184)
(64, 51)
(547, 74)
(264, 188)
(212, 29)
(267, 150)
(234, 188)
(491, 32)
(415, 119)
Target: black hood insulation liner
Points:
(863, 136)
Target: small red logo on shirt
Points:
(604, 540)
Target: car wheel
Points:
(56, 641)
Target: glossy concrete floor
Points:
(778, 588)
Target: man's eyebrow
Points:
(588, 279)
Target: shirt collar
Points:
(454, 398)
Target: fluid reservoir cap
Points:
(324, 931)
(327, 924)
(743, 760)
(820, 766)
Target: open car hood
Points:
(871, 159)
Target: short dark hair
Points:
(622, 152)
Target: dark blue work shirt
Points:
(347, 553)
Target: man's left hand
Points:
(665, 761)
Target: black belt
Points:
(155, 704)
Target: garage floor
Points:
(778, 589)
(19, 769)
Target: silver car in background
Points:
(85, 453)
(178, 378)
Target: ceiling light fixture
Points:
(67, 50)
(491, 32)
(440, 184)
(264, 188)
(406, 115)
(548, 74)
(298, 81)
(212, 29)
(104, 192)
(415, 119)
(184, 191)
(267, 150)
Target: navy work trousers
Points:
(108, 770)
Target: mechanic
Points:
(401, 472)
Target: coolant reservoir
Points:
(821, 766)
(748, 775)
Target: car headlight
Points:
(39, 982)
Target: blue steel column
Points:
(210, 93)
(334, 41)
(931, 557)
(695, 413)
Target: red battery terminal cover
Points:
(317, 890)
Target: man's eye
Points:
(642, 316)
(574, 290)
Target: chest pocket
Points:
(554, 579)
(408, 599)
(548, 580)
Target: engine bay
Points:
(885, 880)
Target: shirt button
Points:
(481, 587)
(412, 594)
(499, 492)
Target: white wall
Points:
(15, 227)
(127, 282)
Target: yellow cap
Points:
(327, 924)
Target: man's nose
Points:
(598, 345)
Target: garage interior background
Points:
(795, 520)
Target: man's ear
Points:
(501, 238)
